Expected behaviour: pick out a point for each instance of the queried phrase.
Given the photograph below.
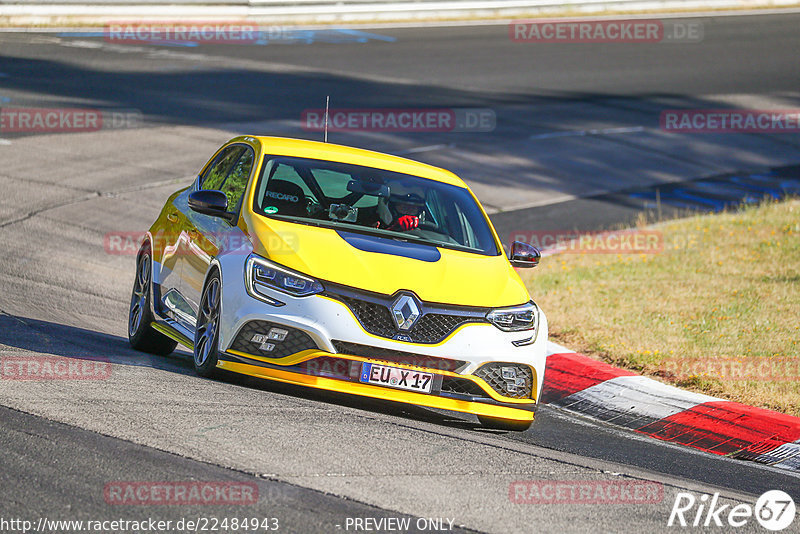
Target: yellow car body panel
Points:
(308, 355)
(282, 146)
(460, 278)
(456, 278)
(376, 392)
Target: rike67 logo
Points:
(774, 510)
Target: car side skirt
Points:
(172, 331)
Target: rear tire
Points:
(141, 335)
(510, 425)
(206, 336)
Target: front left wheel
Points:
(141, 335)
(206, 337)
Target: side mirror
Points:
(524, 255)
(210, 202)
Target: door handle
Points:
(172, 217)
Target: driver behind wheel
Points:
(403, 210)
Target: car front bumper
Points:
(328, 346)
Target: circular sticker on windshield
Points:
(270, 210)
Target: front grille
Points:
(431, 327)
(295, 341)
(397, 356)
(520, 387)
(461, 386)
(437, 326)
(375, 318)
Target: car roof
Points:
(286, 146)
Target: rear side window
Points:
(236, 182)
(216, 173)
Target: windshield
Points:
(375, 201)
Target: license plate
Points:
(396, 378)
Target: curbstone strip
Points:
(579, 384)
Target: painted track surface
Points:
(64, 295)
(624, 399)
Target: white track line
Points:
(580, 133)
(428, 148)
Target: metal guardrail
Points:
(343, 4)
(340, 10)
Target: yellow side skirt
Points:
(377, 392)
(174, 334)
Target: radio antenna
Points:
(327, 104)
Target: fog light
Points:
(264, 341)
(277, 334)
(509, 373)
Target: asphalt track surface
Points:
(321, 458)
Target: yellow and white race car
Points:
(345, 270)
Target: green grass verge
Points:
(717, 311)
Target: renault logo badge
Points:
(405, 312)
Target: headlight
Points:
(262, 274)
(515, 318)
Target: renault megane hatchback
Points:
(345, 270)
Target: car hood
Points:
(436, 275)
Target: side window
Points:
(236, 182)
(218, 170)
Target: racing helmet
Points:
(403, 199)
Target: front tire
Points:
(509, 425)
(141, 335)
(206, 337)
